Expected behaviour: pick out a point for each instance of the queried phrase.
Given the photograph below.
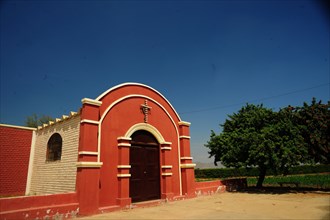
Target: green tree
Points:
(34, 120)
(314, 120)
(259, 137)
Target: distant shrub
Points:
(223, 173)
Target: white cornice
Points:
(91, 102)
(184, 123)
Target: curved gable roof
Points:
(99, 98)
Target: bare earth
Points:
(315, 205)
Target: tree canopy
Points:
(34, 120)
(314, 120)
(260, 137)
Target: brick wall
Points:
(50, 177)
(15, 145)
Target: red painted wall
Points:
(15, 145)
(59, 206)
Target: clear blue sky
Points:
(212, 56)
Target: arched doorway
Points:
(145, 167)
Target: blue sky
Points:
(207, 58)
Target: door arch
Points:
(144, 182)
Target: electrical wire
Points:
(254, 100)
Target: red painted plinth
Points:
(88, 190)
(188, 182)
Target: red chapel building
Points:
(133, 147)
(127, 146)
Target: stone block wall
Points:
(50, 177)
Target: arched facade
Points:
(107, 125)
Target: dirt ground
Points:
(235, 205)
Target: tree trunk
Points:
(262, 174)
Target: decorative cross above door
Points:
(145, 110)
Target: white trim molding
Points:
(167, 167)
(186, 158)
(184, 137)
(142, 126)
(124, 138)
(124, 144)
(89, 164)
(146, 127)
(88, 153)
(166, 148)
(91, 102)
(167, 174)
(185, 123)
(20, 127)
(90, 121)
(31, 160)
(124, 166)
(137, 84)
(123, 175)
(187, 165)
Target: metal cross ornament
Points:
(145, 110)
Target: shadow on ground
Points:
(281, 190)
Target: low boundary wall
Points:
(209, 187)
(65, 206)
(57, 206)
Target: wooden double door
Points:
(145, 167)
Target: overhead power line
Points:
(255, 100)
